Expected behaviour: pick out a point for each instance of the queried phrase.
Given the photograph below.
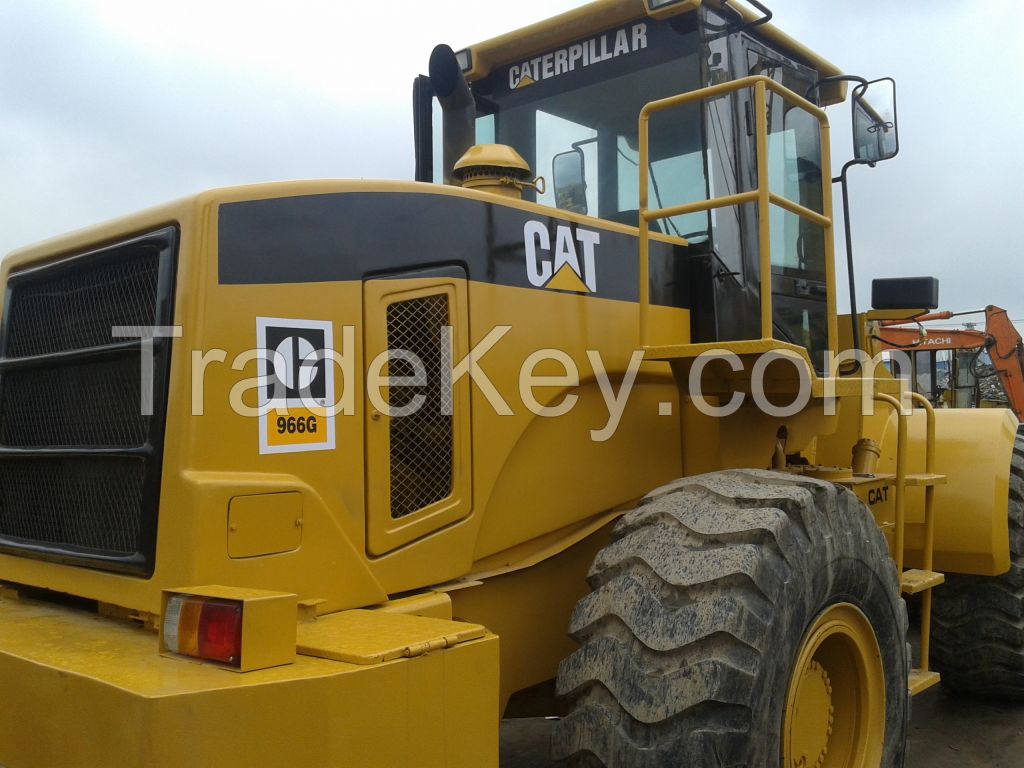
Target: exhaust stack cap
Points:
(496, 168)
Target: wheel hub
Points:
(813, 708)
(835, 705)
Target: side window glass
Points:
(627, 159)
(794, 171)
(485, 129)
(681, 178)
(924, 380)
(556, 135)
(723, 163)
(676, 175)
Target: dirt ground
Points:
(945, 732)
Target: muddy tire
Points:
(978, 621)
(700, 612)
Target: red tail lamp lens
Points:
(205, 628)
(220, 631)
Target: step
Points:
(867, 481)
(924, 480)
(921, 680)
(916, 580)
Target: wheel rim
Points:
(835, 705)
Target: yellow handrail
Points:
(929, 526)
(762, 196)
(901, 477)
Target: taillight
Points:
(204, 628)
(239, 629)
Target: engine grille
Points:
(79, 460)
(90, 503)
(94, 404)
(421, 442)
(76, 308)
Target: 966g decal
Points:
(296, 391)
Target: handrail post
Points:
(644, 236)
(830, 249)
(929, 526)
(763, 203)
(761, 196)
(901, 476)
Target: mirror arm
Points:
(834, 79)
(765, 17)
(841, 180)
(733, 27)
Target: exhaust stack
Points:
(459, 109)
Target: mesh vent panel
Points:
(79, 463)
(421, 443)
(95, 404)
(76, 308)
(88, 503)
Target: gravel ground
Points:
(945, 732)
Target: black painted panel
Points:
(353, 236)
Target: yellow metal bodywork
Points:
(510, 551)
(208, 458)
(81, 691)
(371, 637)
(971, 525)
(266, 524)
(516, 598)
(972, 450)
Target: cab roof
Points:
(601, 15)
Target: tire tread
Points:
(677, 633)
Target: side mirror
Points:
(875, 135)
(568, 173)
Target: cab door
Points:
(799, 291)
(417, 421)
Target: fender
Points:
(973, 449)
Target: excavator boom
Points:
(1000, 340)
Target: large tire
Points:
(700, 607)
(978, 622)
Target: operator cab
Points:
(571, 111)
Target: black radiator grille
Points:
(421, 443)
(87, 503)
(76, 309)
(92, 405)
(79, 461)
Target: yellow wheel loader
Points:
(340, 473)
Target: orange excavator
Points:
(958, 353)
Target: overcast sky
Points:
(109, 106)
